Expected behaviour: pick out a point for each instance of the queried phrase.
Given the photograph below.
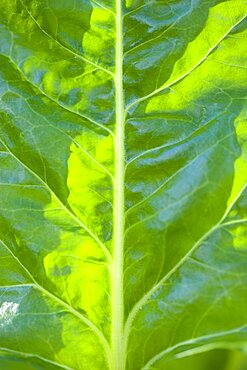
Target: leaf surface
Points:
(123, 197)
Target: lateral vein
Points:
(43, 93)
(165, 86)
(61, 302)
(146, 297)
(26, 355)
(193, 341)
(65, 208)
(69, 50)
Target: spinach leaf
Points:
(123, 198)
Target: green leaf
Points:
(123, 197)
(215, 360)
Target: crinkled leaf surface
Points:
(123, 199)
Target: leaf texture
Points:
(123, 182)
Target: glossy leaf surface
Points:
(123, 202)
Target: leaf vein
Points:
(72, 215)
(42, 92)
(61, 302)
(63, 46)
(25, 354)
(165, 86)
(193, 341)
(148, 295)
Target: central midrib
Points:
(118, 357)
